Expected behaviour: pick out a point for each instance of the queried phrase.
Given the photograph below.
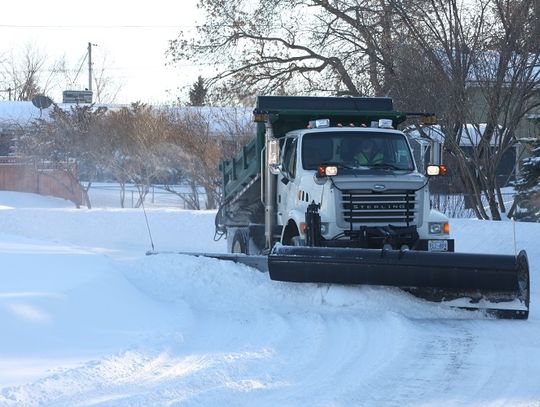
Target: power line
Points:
(133, 67)
(96, 26)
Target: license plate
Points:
(438, 245)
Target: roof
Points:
(220, 119)
(19, 112)
(23, 113)
(470, 134)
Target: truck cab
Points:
(365, 184)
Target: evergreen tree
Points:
(528, 187)
(197, 93)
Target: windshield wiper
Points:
(387, 166)
(339, 165)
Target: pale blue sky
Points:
(131, 34)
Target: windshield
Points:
(356, 150)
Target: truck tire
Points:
(240, 243)
(291, 236)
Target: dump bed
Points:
(288, 113)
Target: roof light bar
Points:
(319, 123)
(385, 124)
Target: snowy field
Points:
(87, 319)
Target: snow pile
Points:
(89, 319)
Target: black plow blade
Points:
(498, 284)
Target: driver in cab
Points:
(368, 153)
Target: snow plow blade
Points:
(498, 284)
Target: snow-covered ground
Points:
(87, 319)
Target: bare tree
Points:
(65, 138)
(201, 152)
(204, 137)
(483, 54)
(106, 88)
(141, 145)
(134, 138)
(27, 73)
(344, 48)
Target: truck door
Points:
(286, 189)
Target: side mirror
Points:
(434, 170)
(272, 152)
(272, 156)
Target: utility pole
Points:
(90, 65)
(8, 90)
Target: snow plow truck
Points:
(305, 201)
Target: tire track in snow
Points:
(504, 373)
(436, 355)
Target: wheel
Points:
(292, 237)
(240, 243)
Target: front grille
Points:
(388, 207)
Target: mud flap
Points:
(485, 281)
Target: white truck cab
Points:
(377, 200)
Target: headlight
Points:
(439, 228)
(327, 171)
(433, 170)
(324, 227)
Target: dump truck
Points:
(328, 191)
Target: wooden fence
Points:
(44, 178)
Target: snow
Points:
(19, 112)
(87, 319)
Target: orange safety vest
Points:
(362, 159)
